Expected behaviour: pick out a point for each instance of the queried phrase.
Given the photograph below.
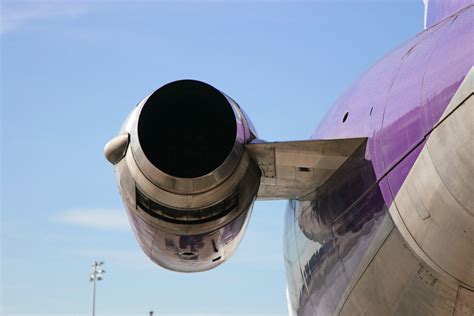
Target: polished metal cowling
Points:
(185, 205)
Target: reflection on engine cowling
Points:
(184, 175)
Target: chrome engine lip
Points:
(187, 201)
(190, 185)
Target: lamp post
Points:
(96, 275)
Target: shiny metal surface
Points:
(332, 232)
(186, 224)
(244, 184)
(343, 252)
(191, 185)
(396, 282)
(116, 148)
(188, 246)
(291, 170)
(191, 201)
(403, 276)
(434, 209)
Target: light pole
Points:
(96, 275)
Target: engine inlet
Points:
(187, 129)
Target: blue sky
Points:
(70, 73)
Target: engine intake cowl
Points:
(189, 136)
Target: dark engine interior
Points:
(187, 128)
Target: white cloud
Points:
(16, 15)
(109, 219)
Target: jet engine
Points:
(189, 167)
(184, 175)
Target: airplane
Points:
(380, 218)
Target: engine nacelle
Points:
(184, 175)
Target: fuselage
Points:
(334, 236)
